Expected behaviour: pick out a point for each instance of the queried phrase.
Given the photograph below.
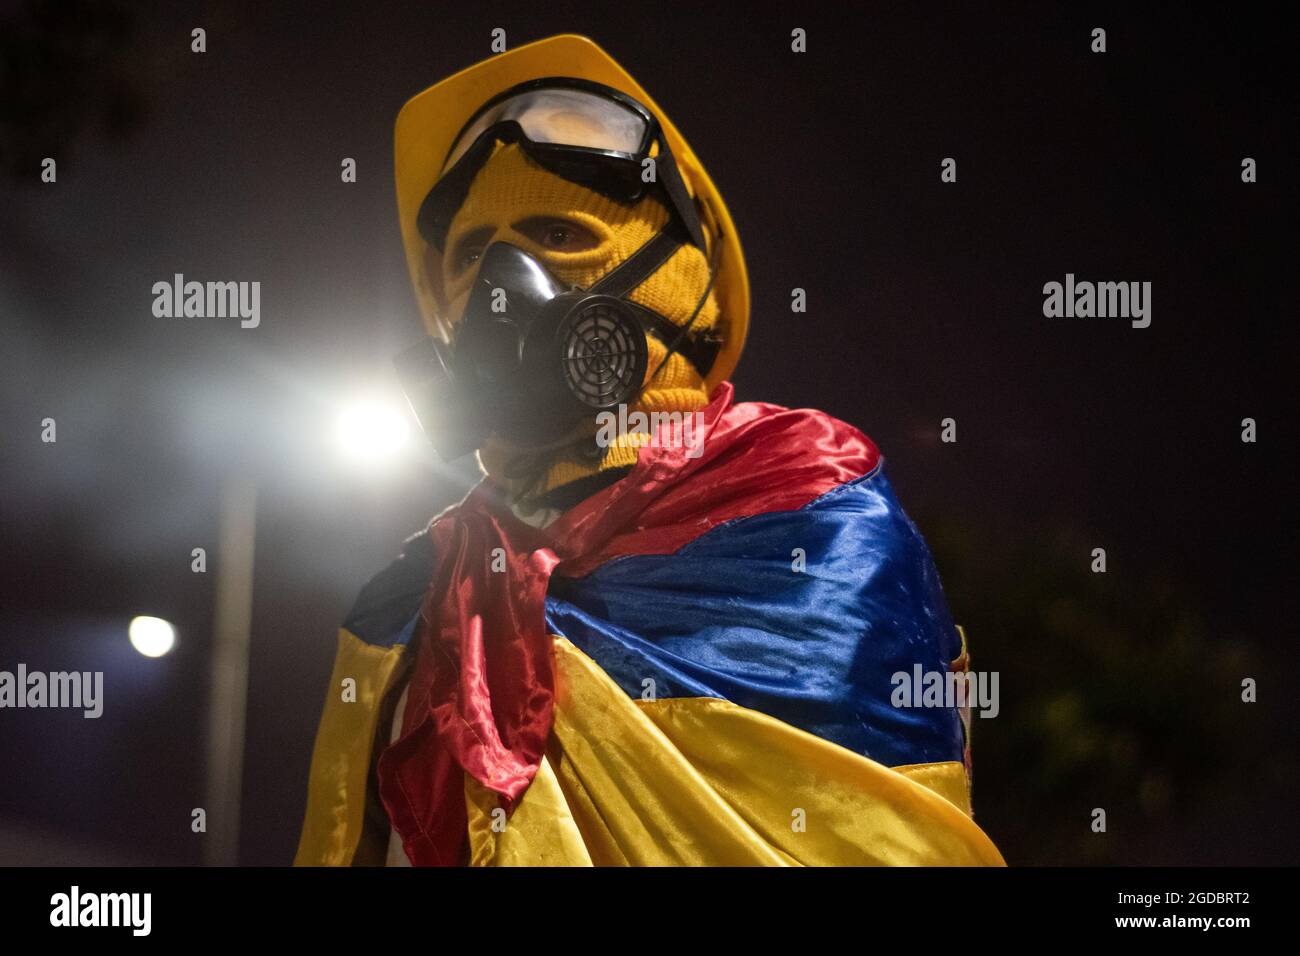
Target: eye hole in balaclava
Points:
(557, 235)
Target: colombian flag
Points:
(691, 667)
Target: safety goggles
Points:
(585, 132)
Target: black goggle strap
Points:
(671, 179)
(455, 183)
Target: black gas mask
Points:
(533, 358)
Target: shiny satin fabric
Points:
(486, 712)
(804, 615)
(480, 696)
(703, 782)
(340, 762)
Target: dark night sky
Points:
(925, 302)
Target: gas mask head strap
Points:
(700, 351)
(639, 266)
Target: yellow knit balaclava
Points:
(510, 189)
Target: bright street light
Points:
(370, 430)
(151, 636)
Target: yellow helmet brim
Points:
(429, 122)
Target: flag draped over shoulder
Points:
(764, 576)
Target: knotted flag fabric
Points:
(768, 564)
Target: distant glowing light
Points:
(151, 636)
(372, 430)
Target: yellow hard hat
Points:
(430, 121)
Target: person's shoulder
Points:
(810, 430)
(390, 600)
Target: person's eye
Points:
(468, 250)
(467, 256)
(558, 235)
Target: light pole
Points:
(228, 672)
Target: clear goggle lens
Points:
(562, 117)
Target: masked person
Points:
(677, 640)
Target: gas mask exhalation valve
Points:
(533, 358)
